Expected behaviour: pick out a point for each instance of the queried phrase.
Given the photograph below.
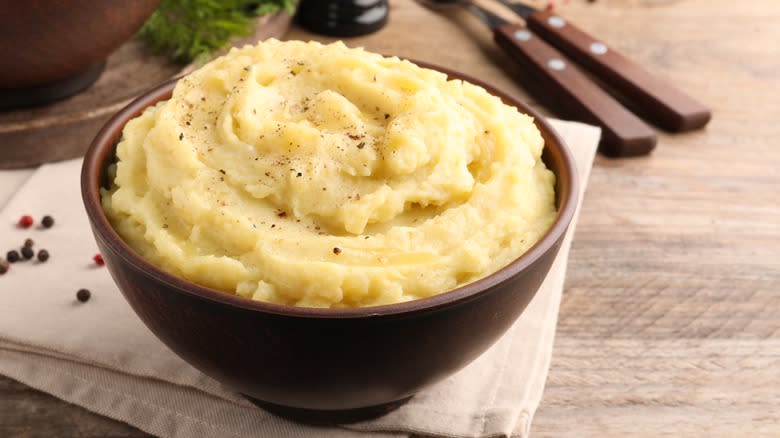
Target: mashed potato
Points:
(318, 175)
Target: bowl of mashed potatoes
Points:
(324, 229)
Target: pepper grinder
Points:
(343, 18)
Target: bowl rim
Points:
(103, 147)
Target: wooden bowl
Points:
(325, 365)
(54, 48)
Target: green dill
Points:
(189, 29)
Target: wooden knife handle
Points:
(657, 99)
(623, 133)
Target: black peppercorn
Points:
(27, 253)
(4, 266)
(47, 221)
(83, 295)
(29, 243)
(43, 255)
(13, 256)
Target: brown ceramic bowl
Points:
(52, 48)
(325, 363)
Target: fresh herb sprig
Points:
(189, 29)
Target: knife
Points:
(576, 95)
(656, 98)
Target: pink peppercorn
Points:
(25, 221)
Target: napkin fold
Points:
(100, 356)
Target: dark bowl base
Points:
(329, 417)
(11, 98)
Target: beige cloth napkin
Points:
(10, 181)
(100, 356)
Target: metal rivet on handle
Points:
(556, 21)
(556, 64)
(522, 35)
(598, 48)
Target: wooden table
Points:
(670, 322)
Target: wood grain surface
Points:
(670, 321)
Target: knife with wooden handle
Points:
(656, 98)
(623, 133)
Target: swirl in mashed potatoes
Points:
(319, 175)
